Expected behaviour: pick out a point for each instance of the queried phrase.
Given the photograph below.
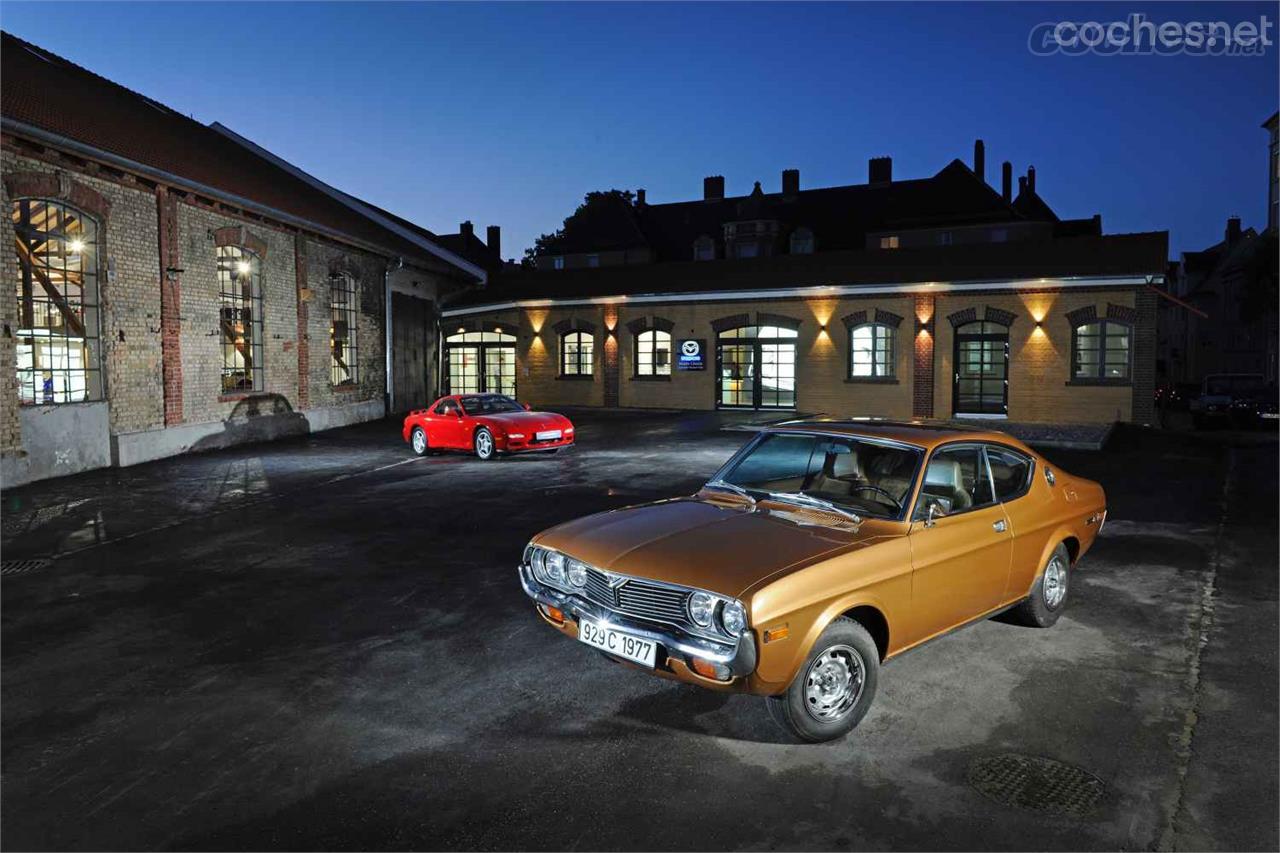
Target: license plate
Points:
(547, 434)
(617, 642)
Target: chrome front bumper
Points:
(739, 657)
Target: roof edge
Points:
(354, 204)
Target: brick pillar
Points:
(611, 374)
(304, 343)
(1144, 357)
(922, 362)
(170, 305)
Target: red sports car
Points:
(487, 424)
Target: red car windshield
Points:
(489, 404)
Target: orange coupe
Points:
(820, 550)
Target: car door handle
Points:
(998, 526)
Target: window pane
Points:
(1009, 470)
(956, 480)
(240, 323)
(342, 330)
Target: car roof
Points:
(923, 433)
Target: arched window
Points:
(802, 242)
(240, 319)
(704, 249)
(1101, 350)
(653, 353)
(871, 350)
(57, 346)
(576, 350)
(343, 352)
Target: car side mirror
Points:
(934, 512)
(528, 408)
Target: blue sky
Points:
(508, 113)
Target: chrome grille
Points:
(636, 597)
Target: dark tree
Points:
(600, 206)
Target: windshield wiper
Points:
(730, 487)
(808, 500)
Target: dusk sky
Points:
(508, 113)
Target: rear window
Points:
(1010, 472)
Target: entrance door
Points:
(981, 384)
(410, 352)
(756, 368)
(481, 361)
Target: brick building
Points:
(177, 287)
(930, 297)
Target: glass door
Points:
(500, 369)
(480, 361)
(756, 368)
(981, 370)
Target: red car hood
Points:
(526, 421)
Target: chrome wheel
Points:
(484, 444)
(833, 683)
(419, 442)
(1055, 582)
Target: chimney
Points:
(713, 188)
(1006, 181)
(1031, 178)
(467, 229)
(640, 198)
(790, 181)
(980, 160)
(1022, 184)
(1233, 231)
(493, 239)
(880, 170)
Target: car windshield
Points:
(489, 404)
(864, 477)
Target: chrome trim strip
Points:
(739, 656)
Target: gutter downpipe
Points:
(393, 266)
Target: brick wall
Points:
(1040, 358)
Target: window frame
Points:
(346, 284)
(890, 241)
(1099, 377)
(92, 237)
(654, 373)
(580, 337)
(254, 364)
(1031, 470)
(802, 236)
(891, 358)
(919, 512)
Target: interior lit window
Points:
(558, 262)
(653, 353)
(240, 316)
(1101, 350)
(871, 350)
(57, 348)
(343, 352)
(889, 242)
(576, 351)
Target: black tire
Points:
(423, 447)
(482, 444)
(792, 710)
(1037, 611)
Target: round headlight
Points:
(553, 564)
(733, 618)
(535, 562)
(701, 606)
(577, 573)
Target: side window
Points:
(1010, 471)
(956, 480)
(445, 407)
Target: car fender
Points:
(780, 663)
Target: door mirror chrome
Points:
(934, 512)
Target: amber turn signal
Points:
(555, 614)
(773, 635)
(707, 669)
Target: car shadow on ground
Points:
(687, 708)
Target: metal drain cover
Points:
(1036, 784)
(21, 567)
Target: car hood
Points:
(721, 547)
(526, 420)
